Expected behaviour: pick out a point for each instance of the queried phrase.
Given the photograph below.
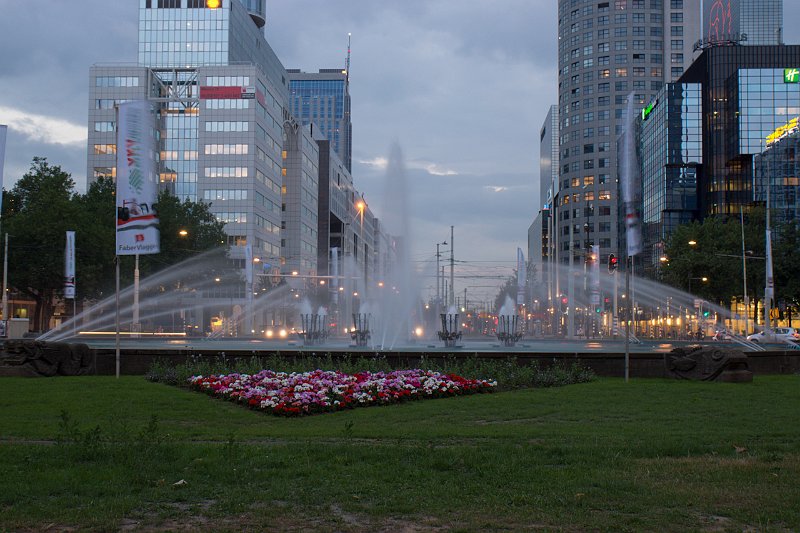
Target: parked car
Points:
(778, 335)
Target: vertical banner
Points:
(137, 221)
(69, 266)
(629, 178)
(595, 276)
(3, 131)
(248, 264)
(521, 277)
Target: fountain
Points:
(449, 332)
(315, 331)
(360, 332)
(508, 324)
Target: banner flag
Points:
(69, 266)
(3, 131)
(521, 277)
(629, 178)
(137, 220)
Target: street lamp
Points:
(443, 243)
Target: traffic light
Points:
(598, 309)
(613, 263)
(564, 302)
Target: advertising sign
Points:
(137, 221)
(69, 266)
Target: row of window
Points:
(225, 126)
(116, 81)
(602, 227)
(227, 103)
(225, 194)
(226, 149)
(226, 172)
(228, 81)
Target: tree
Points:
(40, 210)
(44, 205)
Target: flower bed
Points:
(322, 390)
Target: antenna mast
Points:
(347, 61)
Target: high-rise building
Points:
(323, 98)
(750, 22)
(606, 51)
(226, 134)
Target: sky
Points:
(461, 86)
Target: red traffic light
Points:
(613, 263)
(564, 300)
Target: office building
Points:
(777, 173)
(225, 132)
(748, 22)
(746, 97)
(606, 51)
(323, 99)
(669, 130)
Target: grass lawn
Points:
(96, 453)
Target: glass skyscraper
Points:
(750, 22)
(323, 99)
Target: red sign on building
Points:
(212, 93)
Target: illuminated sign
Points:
(782, 131)
(212, 93)
(791, 75)
(212, 4)
(649, 109)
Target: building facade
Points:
(670, 159)
(751, 22)
(745, 99)
(323, 98)
(608, 50)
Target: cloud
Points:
(432, 168)
(376, 162)
(42, 128)
(496, 188)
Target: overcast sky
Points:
(462, 86)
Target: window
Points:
(604, 227)
(605, 210)
(588, 50)
(105, 126)
(588, 180)
(676, 18)
(676, 59)
(105, 149)
(656, 72)
(621, 72)
(226, 172)
(603, 147)
(603, 100)
(638, 44)
(621, 58)
(588, 196)
(603, 60)
(576, 182)
(602, 34)
(676, 72)
(605, 73)
(676, 4)
(602, 47)
(676, 31)
(116, 81)
(603, 87)
(638, 72)
(589, 163)
(620, 45)
(620, 32)
(676, 44)
(604, 195)
(588, 148)
(656, 31)
(620, 86)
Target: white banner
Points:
(630, 182)
(69, 266)
(521, 277)
(3, 131)
(248, 264)
(137, 221)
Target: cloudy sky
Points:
(462, 86)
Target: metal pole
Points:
(452, 261)
(116, 336)
(135, 324)
(5, 283)
(744, 276)
(571, 283)
(437, 278)
(628, 319)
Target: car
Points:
(777, 335)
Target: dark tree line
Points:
(43, 205)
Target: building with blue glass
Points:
(745, 98)
(323, 98)
(750, 22)
(670, 159)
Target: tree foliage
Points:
(43, 205)
(717, 255)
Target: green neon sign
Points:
(791, 75)
(649, 109)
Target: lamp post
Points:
(699, 307)
(438, 301)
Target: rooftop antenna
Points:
(347, 61)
